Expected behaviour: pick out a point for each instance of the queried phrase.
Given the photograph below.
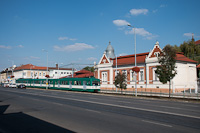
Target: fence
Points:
(183, 95)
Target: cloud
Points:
(122, 54)
(142, 32)
(187, 34)
(5, 47)
(190, 35)
(74, 47)
(33, 57)
(120, 22)
(162, 6)
(20, 46)
(136, 12)
(92, 59)
(66, 38)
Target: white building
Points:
(37, 72)
(147, 79)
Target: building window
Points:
(24, 73)
(61, 72)
(155, 76)
(64, 72)
(156, 54)
(40, 74)
(141, 75)
(104, 77)
(55, 72)
(124, 72)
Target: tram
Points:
(73, 84)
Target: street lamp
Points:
(135, 61)
(12, 69)
(47, 68)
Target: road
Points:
(36, 110)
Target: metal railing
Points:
(183, 95)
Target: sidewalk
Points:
(192, 96)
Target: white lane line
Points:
(156, 123)
(92, 110)
(114, 105)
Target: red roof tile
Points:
(29, 66)
(81, 74)
(198, 66)
(197, 42)
(130, 59)
(181, 57)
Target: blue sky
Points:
(78, 31)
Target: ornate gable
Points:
(104, 59)
(156, 51)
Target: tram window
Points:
(95, 83)
(75, 82)
(88, 83)
(70, 82)
(78, 82)
(66, 82)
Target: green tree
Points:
(91, 69)
(120, 81)
(190, 50)
(166, 70)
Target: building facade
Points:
(147, 79)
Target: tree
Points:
(91, 69)
(120, 81)
(166, 70)
(190, 50)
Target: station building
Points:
(147, 80)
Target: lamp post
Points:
(47, 68)
(12, 69)
(116, 71)
(135, 61)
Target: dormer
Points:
(104, 59)
(153, 54)
(156, 51)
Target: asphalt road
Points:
(34, 110)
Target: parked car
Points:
(6, 85)
(22, 86)
(13, 85)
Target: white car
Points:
(13, 85)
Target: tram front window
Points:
(95, 83)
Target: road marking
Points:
(156, 123)
(92, 110)
(114, 105)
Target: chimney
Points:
(57, 66)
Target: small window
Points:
(55, 72)
(61, 72)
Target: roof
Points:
(198, 66)
(29, 66)
(81, 74)
(181, 57)
(55, 68)
(33, 67)
(130, 59)
(197, 42)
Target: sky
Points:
(79, 31)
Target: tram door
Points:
(70, 84)
(84, 84)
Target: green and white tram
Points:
(74, 84)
